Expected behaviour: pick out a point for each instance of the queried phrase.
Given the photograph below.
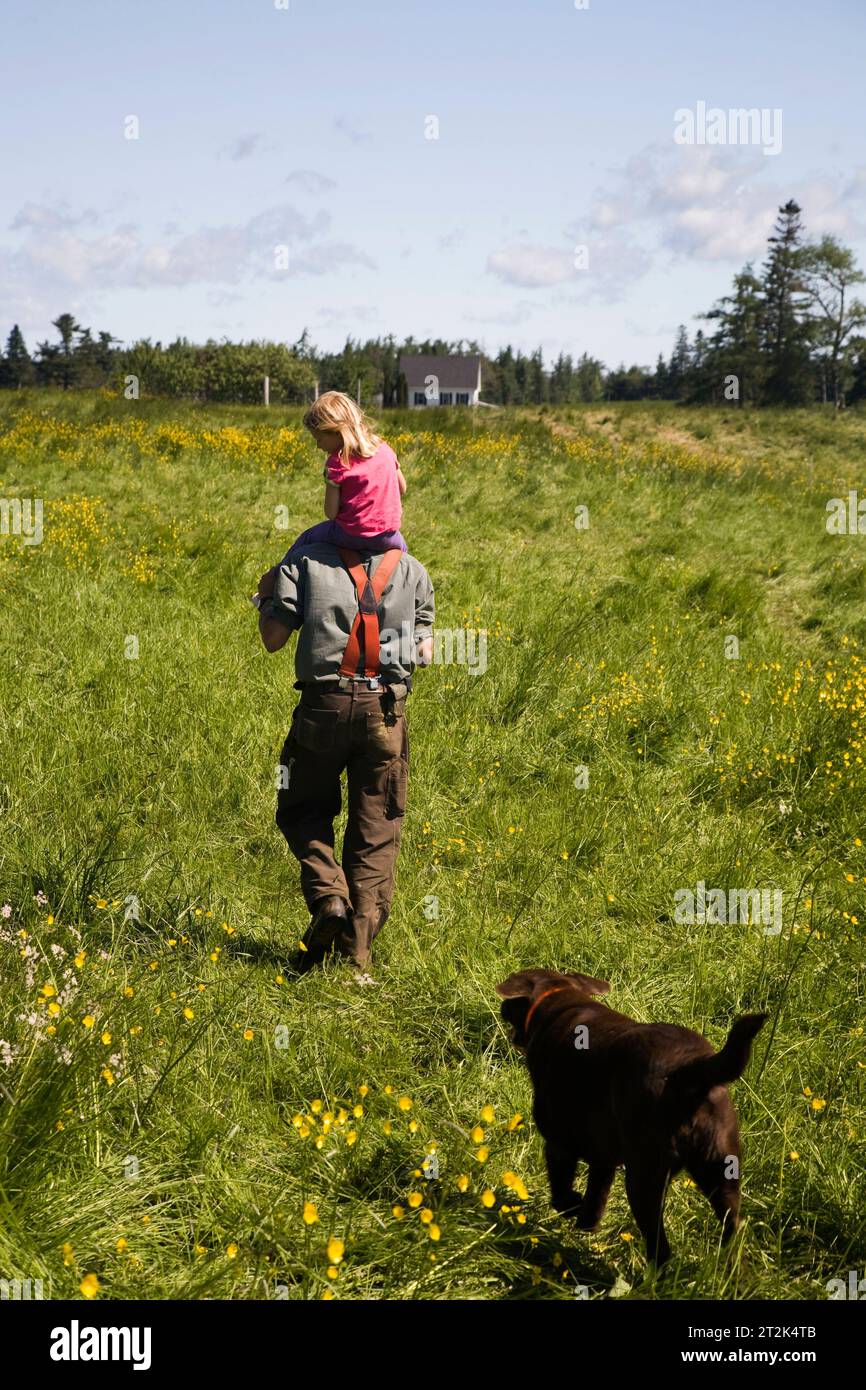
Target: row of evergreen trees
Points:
(791, 333)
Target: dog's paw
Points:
(586, 1220)
(566, 1203)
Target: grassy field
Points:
(179, 1118)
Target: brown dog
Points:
(612, 1091)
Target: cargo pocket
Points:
(383, 737)
(396, 788)
(316, 729)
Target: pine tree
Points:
(507, 377)
(660, 380)
(680, 363)
(561, 378)
(536, 379)
(68, 329)
(56, 362)
(17, 365)
(521, 374)
(789, 376)
(589, 378)
(735, 361)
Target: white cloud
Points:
(310, 181)
(54, 257)
(718, 203)
(709, 234)
(532, 267)
(596, 266)
(41, 217)
(63, 258)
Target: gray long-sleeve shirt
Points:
(314, 592)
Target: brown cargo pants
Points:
(364, 733)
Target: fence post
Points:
(267, 390)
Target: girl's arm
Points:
(401, 480)
(332, 500)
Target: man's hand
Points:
(267, 582)
(424, 652)
(273, 633)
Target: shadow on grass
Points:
(819, 1232)
(247, 948)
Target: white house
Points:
(432, 380)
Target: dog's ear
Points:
(517, 993)
(513, 1011)
(521, 984)
(589, 984)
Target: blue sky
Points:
(306, 127)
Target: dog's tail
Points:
(689, 1084)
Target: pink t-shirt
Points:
(369, 493)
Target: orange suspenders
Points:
(369, 593)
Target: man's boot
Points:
(330, 916)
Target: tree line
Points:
(791, 332)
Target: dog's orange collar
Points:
(556, 989)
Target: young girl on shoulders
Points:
(364, 483)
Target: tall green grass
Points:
(177, 1159)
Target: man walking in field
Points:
(364, 621)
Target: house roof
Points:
(453, 373)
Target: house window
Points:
(419, 398)
(462, 398)
(445, 398)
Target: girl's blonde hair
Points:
(338, 412)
